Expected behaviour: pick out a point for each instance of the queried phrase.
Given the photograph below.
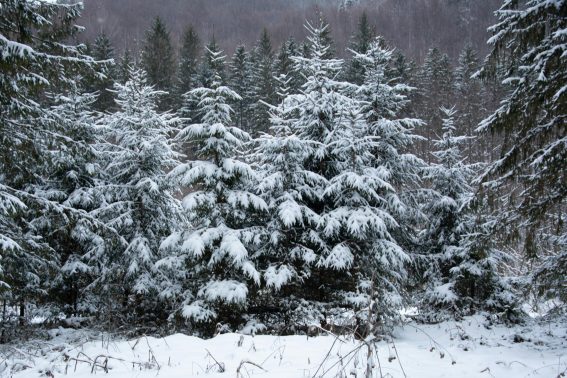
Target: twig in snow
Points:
(326, 356)
(221, 366)
(487, 369)
(398, 356)
(238, 374)
(453, 362)
(281, 349)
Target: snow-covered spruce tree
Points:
(189, 54)
(435, 84)
(389, 139)
(463, 262)
(33, 58)
(323, 99)
(211, 262)
(103, 51)
(337, 207)
(283, 66)
(322, 117)
(403, 69)
(289, 250)
(553, 268)
(211, 66)
(482, 264)
(264, 85)
(158, 61)
(188, 79)
(72, 179)
(124, 66)
(530, 37)
(448, 221)
(326, 37)
(360, 43)
(241, 80)
(140, 202)
(470, 94)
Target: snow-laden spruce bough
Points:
(329, 213)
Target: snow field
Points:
(465, 349)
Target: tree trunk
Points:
(22, 312)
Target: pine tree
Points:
(461, 255)
(470, 93)
(398, 173)
(289, 251)
(403, 70)
(340, 211)
(241, 81)
(188, 61)
(327, 38)
(448, 221)
(74, 176)
(284, 67)
(265, 87)
(221, 268)
(211, 66)
(140, 202)
(102, 50)
(530, 42)
(478, 261)
(436, 86)
(158, 61)
(124, 67)
(33, 58)
(360, 43)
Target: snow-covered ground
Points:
(470, 348)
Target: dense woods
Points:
(323, 160)
(412, 26)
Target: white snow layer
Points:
(471, 348)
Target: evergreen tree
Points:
(219, 264)
(403, 70)
(33, 58)
(360, 43)
(448, 221)
(327, 38)
(211, 65)
(103, 51)
(470, 94)
(284, 67)
(305, 47)
(289, 251)
(477, 263)
(140, 202)
(296, 163)
(124, 67)
(436, 86)
(188, 61)
(264, 84)
(399, 173)
(338, 209)
(74, 176)
(241, 80)
(462, 258)
(188, 76)
(158, 61)
(529, 37)
(304, 50)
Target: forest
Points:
(293, 185)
